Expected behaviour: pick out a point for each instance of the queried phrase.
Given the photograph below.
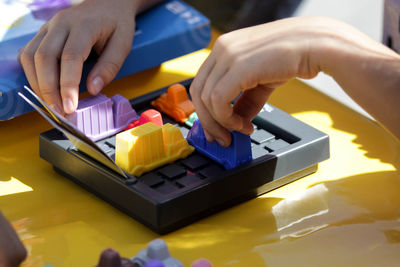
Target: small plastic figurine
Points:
(175, 103)
(99, 116)
(155, 255)
(149, 146)
(150, 115)
(236, 154)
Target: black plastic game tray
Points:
(284, 149)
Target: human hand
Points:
(53, 59)
(12, 251)
(252, 61)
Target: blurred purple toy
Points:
(99, 116)
(154, 263)
(46, 9)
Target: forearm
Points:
(367, 70)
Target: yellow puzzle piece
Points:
(149, 146)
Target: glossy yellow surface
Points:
(346, 214)
(149, 146)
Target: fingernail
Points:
(98, 84)
(220, 141)
(69, 106)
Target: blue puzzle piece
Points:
(236, 154)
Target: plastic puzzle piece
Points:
(149, 146)
(191, 119)
(150, 115)
(154, 263)
(236, 154)
(175, 103)
(157, 251)
(99, 116)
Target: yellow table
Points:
(346, 214)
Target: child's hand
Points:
(53, 59)
(252, 61)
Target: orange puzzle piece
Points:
(175, 103)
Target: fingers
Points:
(26, 59)
(250, 103)
(213, 105)
(46, 66)
(76, 50)
(111, 59)
(216, 86)
(218, 94)
(53, 60)
(212, 129)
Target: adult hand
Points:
(53, 59)
(12, 251)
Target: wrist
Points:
(340, 47)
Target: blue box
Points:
(167, 31)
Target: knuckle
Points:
(70, 54)
(90, 24)
(110, 69)
(204, 97)
(68, 83)
(26, 56)
(230, 55)
(44, 28)
(60, 16)
(42, 55)
(222, 41)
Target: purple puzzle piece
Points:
(123, 112)
(46, 9)
(236, 154)
(99, 116)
